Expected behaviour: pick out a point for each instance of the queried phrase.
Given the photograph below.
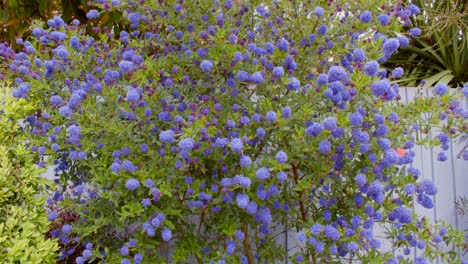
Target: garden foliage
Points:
(440, 53)
(206, 122)
(23, 219)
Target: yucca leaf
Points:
(435, 78)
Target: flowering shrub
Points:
(205, 123)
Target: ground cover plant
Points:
(203, 123)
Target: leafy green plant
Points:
(23, 219)
(441, 52)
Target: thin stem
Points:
(247, 249)
(301, 202)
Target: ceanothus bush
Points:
(207, 122)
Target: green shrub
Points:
(23, 219)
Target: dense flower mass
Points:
(200, 125)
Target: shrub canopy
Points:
(206, 123)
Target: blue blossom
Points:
(391, 156)
(271, 116)
(352, 246)
(132, 95)
(282, 176)
(242, 200)
(243, 76)
(384, 143)
(394, 117)
(74, 130)
(239, 235)
(360, 179)
(404, 41)
(283, 45)
(128, 166)
(331, 232)
(337, 73)
(257, 78)
(263, 173)
(375, 243)
(359, 55)
(115, 167)
(375, 191)
(149, 183)
(441, 156)
(397, 73)
(134, 18)
(132, 184)
(360, 136)
(146, 202)
(413, 8)
(187, 144)
(366, 16)
(356, 119)
(261, 193)
(124, 251)
(157, 221)
(380, 87)
(428, 187)
(245, 161)
(322, 30)
(330, 123)
(420, 260)
(245, 182)
(319, 11)
(437, 238)
(92, 14)
(62, 52)
(236, 145)
(440, 88)
(383, 19)
(322, 79)
(56, 100)
(390, 46)
(286, 112)
(87, 254)
(166, 234)
(144, 148)
(167, 136)
(301, 236)
(230, 247)
(371, 68)
(278, 72)
(281, 157)
(414, 32)
(324, 146)
(251, 208)
(260, 132)
(316, 229)
(221, 142)
(404, 215)
(293, 84)
(67, 228)
(315, 129)
(263, 216)
(138, 258)
(409, 188)
(206, 65)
